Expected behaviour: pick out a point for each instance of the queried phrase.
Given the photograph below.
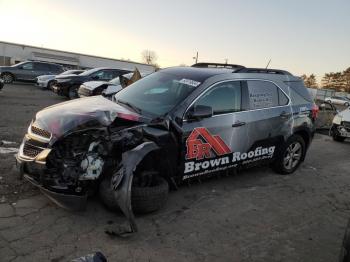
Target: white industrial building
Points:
(12, 53)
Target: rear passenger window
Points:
(41, 67)
(223, 98)
(262, 94)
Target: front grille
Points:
(40, 132)
(30, 150)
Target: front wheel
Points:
(72, 93)
(346, 104)
(290, 156)
(8, 78)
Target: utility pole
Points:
(226, 61)
(196, 57)
(268, 64)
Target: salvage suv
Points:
(178, 124)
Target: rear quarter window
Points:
(262, 94)
(298, 92)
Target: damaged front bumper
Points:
(34, 171)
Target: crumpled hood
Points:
(91, 85)
(83, 113)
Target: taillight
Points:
(314, 111)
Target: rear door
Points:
(39, 70)
(267, 121)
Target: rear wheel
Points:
(346, 104)
(8, 78)
(291, 155)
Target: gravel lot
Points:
(253, 216)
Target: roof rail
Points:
(217, 65)
(263, 71)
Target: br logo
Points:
(200, 144)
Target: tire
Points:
(150, 199)
(49, 85)
(143, 199)
(290, 157)
(346, 104)
(72, 93)
(106, 194)
(8, 78)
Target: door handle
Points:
(238, 123)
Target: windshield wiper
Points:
(135, 108)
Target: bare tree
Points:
(149, 57)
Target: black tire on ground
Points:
(279, 163)
(72, 92)
(107, 195)
(346, 104)
(150, 199)
(8, 78)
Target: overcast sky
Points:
(298, 35)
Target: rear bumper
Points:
(35, 172)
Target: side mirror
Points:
(199, 112)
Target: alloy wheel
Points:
(292, 155)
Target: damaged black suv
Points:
(174, 125)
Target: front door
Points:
(250, 119)
(207, 143)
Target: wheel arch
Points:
(10, 73)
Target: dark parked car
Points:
(175, 125)
(28, 71)
(68, 85)
(94, 88)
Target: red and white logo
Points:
(201, 144)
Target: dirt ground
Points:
(256, 215)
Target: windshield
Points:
(157, 93)
(88, 72)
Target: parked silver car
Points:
(338, 100)
(46, 81)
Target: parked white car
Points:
(46, 81)
(341, 126)
(339, 100)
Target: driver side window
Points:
(224, 98)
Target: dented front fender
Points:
(122, 179)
